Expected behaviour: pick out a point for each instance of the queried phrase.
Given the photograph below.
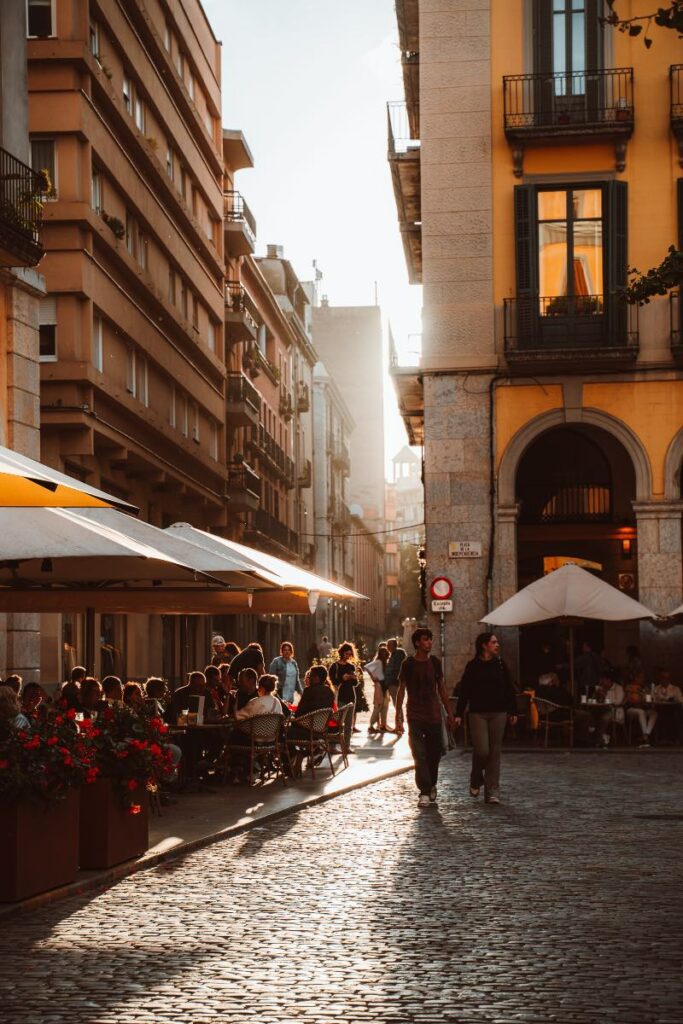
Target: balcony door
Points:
(568, 50)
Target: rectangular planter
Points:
(108, 833)
(38, 847)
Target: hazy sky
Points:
(307, 82)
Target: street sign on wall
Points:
(441, 588)
(442, 606)
(464, 549)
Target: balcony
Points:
(547, 109)
(303, 397)
(286, 404)
(21, 207)
(239, 225)
(676, 113)
(407, 377)
(244, 487)
(240, 322)
(404, 161)
(582, 332)
(267, 448)
(266, 527)
(341, 455)
(305, 478)
(242, 401)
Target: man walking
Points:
(390, 685)
(421, 677)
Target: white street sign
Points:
(442, 606)
(464, 549)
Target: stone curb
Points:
(103, 879)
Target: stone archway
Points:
(673, 469)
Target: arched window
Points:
(564, 477)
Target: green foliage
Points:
(656, 281)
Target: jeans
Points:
(380, 702)
(389, 698)
(425, 745)
(646, 719)
(486, 729)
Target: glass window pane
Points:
(587, 269)
(559, 43)
(552, 258)
(552, 205)
(587, 202)
(578, 58)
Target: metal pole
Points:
(90, 641)
(443, 643)
(183, 649)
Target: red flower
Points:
(71, 714)
(4, 764)
(134, 809)
(52, 740)
(32, 743)
(132, 784)
(155, 749)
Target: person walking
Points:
(486, 688)
(397, 656)
(325, 647)
(421, 677)
(287, 672)
(346, 676)
(376, 670)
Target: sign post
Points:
(441, 590)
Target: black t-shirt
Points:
(486, 686)
(250, 657)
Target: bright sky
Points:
(307, 82)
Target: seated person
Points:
(318, 693)
(200, 749)
(213, 680)
(33, 703)
(180, 701)
(550, 688)
(133, 697)
(112, 688)
(609, 691)
(247, 689)
(92, 697)
(157, 696)
(670, 721)
(70, 696)
(11, 716)
(15, 682)
(265, 703)
(637, 708)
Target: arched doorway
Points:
(574, 486)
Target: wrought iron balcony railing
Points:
(581, 103)
(562, 326)
(21, 207)
(676, 113)
(242, 477)
(268, 526)
(676, 312)
(237, 211)
(240, 389)
(400, 137)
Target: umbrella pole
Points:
(571, 662)
(183, 649)
(90, 641)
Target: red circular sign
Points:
(441, 588)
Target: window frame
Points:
(96, 191)
(52, 4)
(98, 342)
(53, 322)
(50, 166)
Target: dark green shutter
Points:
(679, 191)
(526, 260)
(543, 36)
(617, 260)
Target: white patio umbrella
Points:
(25, 483)
(567, 594)
(675, 612)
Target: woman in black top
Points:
(346, 676)
(486, 688)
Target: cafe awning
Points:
(25, 483)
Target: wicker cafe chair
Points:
(553, 716)
(314, 742)
(265, 743)
(335, 734)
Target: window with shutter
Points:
(43, 159)
(47, 330)
(40, 18)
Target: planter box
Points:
(38, 847)
(108, 833)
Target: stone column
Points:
(660, 577)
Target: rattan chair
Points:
(314, 741)
(265, 743)
(335, 733)
(553, 716)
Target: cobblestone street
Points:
(564, 904)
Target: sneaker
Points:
(423, 800)
(492, 799)
(645, 743)
(432, 795)
(475, 791)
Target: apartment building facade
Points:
(124, 112)
(536, 158)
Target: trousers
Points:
(486, 729)
(424, 739)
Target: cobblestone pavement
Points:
(562, 905)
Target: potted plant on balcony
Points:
(132, 758)
(41, 771)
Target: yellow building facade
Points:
(550, 162)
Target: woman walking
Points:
(486, 688)
(375, 670)
(346, 677)
(287, 672)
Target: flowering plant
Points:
(131, 750)
(46, 762)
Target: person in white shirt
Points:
(375, 670)
(265, 704)
(612, 694)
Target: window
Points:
(171, 286)
(167, 37)
(211, 336)
(43, 159)
(94, 40)
(190, 85)
(172, 407)
(185, 417)
(40, 19)
(136, 383)
(213, 439)
(97, 343)
(195, 312)
(183, 299)
(48, 329)
(128, 94)
(195, 422)
(570, 245)
(131, 233)
(569, 41)
(139, 112)
(96, 192)
(169, 161)
(142, 250)
(183, 182)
